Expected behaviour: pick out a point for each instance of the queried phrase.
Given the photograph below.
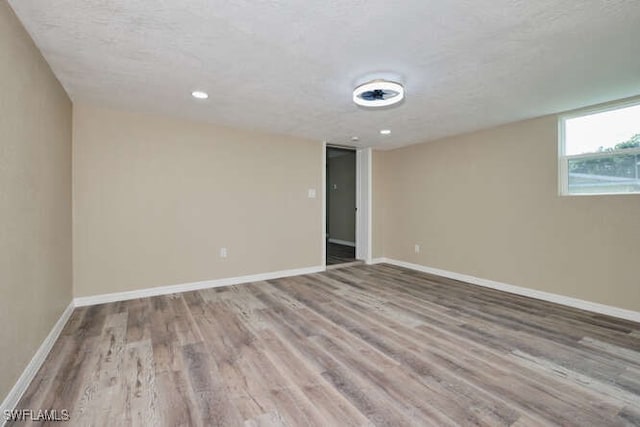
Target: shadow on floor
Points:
(340, 254)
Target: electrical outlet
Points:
(311, 193)
(416, 248)
(223, 252)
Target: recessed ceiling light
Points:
(378, 93)
(355, 138)
(385, 131)
(198, 94)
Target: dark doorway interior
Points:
(341, 205)
(340, 254)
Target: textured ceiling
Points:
(289, 66)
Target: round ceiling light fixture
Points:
(378, 93)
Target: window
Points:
(600, 151)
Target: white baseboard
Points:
(532, 293)
(194, 286)
(342, 242)
(378, 261)
(14, 396)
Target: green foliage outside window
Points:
(618, 165)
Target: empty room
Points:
(303, 213)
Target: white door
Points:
(363, 204)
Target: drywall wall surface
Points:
(35, 199)
(380, 189)
(157, 198)
(486, 204)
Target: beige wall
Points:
(155, 199)
(341, 201)
(486, 204)
(379, 198)
(35, 199)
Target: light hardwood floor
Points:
(363, 345)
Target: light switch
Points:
(312, 193)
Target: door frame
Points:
(363, 202)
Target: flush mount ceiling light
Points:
(385, 132)
(378, 93)
(198, 94)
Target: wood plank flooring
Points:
(340, 254)
(364, 345)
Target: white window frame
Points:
(563, 159)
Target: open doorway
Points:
(341, 196)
